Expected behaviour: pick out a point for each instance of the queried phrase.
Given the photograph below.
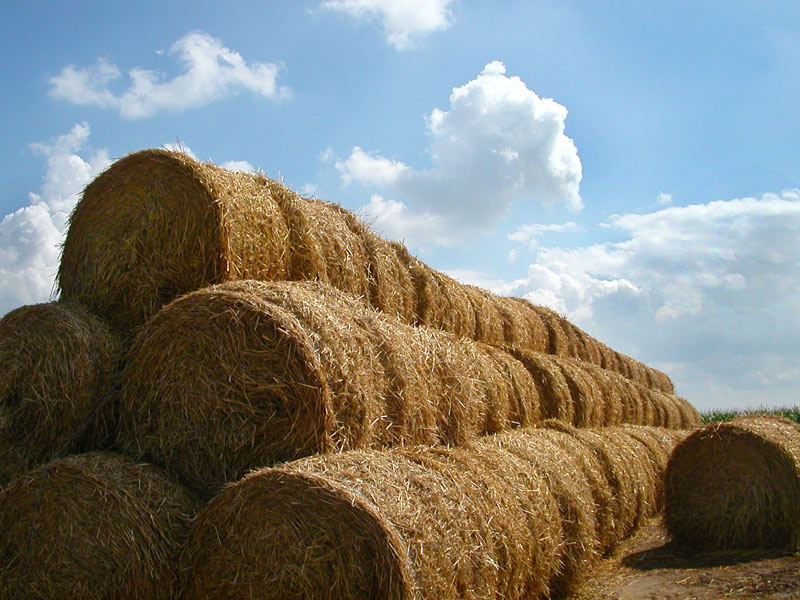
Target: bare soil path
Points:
(649, 567)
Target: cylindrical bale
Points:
(524, 403)
(592, 470)
(555, 399)
(391, 286)
(586, 395)
(404, 524)
(736, 485)
(157, 224)
(489, 326)
(58, 365)
(689, 415)
(245, 374)
(522, 326)
(572, 491)
(93, 525)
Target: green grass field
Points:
(792, 413)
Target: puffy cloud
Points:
(401, 21)
(211, 72)
(30, 237)
(530, 234)
(708, 291)
(497, 143)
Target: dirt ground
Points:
(649, 567)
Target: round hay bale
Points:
(58, 364)
(257, 373)
(524, 403)
(571, 491)
(522, 326)
(736, 485)
(411, 524)
(488, 321)
(555, 399)
(93, 525)
(391, 286)
(157, 224)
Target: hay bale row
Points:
(518, 515)
(93, 526)
(585, 395)
(736, 485)
(158, 224)
(58, 365)
(249, 373)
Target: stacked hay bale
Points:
(93, 525)
(258, 372)
(736, 485)
(58, 365)
(497, 518)
(158, 224)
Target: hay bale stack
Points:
(158, 224)
(515, 516)
(58, 365)
(244, 374)
(90, 526)
(736, 485)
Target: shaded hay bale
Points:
(58, 365)
(398, 524)
(93, 525)
(736, 485)
(247, 373)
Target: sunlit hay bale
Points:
(736, 485)
(458, 316)
(93, 525)
(524, 404)
(157, 224)
(261, 372)
(58, 364)
(659, 443)
(690, 416)
(489, 326)
(558, 340)
(619, 471)
(390, 283)
(555, 399)
(522, 326)
(610, 396)
(572, 492)
(404, 524)
(586, 396)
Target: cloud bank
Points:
(710, 292)
(30, 237)
(211, 72)
(498, 142)
(402, 22)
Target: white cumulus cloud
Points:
(709, 291)
(402, 21)
(30, 237)
(211, 72)
(498, 142)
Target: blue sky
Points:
(633, 165)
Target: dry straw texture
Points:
(158, 224)
(58, 363)
(520, 515)
(244, 374)
(736, 485)
(92, 526)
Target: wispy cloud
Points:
(211, 72)
(402, 22)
